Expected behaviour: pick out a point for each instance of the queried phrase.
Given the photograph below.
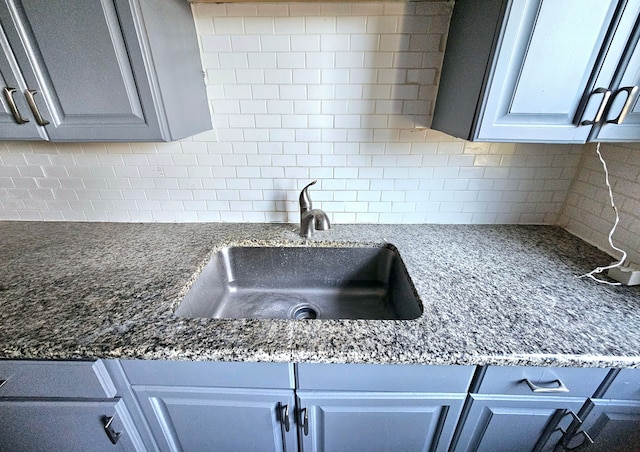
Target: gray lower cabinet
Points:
(59, 425)
(100, 70)
(611, 421)
(193, 406)
(198, 406)
(524, 408)
(611, 425)
(224, 419)
(229, 406)
(347, 407)
(62, 406)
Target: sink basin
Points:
(303, 283)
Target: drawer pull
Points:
(559, 386)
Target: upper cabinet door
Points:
(539, 70)
(621, 121)
(87, 83)
(545, 59)
(108, 70)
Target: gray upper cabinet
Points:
(101, 70)
(540, 71)
(622, 120)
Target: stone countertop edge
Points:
(491, 295)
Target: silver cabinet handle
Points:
(603, 105)
(631, 96)
(559, 386)
(30, 94)
(304, 421)
(8, 94)
(111, 433)
(284, 414)
(575, 424)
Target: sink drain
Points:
(305, 313)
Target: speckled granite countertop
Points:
(503, 295)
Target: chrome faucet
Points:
(311, 218)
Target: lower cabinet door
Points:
(61, 425)
(612, 425)
(376, 421)
(219, 419)
(514, 423)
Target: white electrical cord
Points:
(597, 270)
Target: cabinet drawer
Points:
(209, 374)
(541, 381)
(72, 379)
(385, 377)
(626, 386)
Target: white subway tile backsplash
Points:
(339, 92)
(274, 43)
(588, 212)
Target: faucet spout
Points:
(305, 199)
(311, 219)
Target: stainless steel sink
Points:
(303, 283)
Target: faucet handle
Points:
(305, 199)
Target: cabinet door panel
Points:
(193, 419)
(496, 423)
(41, 425)
(348, 421)
(543, 68)
(89, 85)
(614, 425)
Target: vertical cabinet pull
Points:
(30, 94)
(304, 421)
(284, 417)
(111, 433)
(8, 94)
(567, 442)
(603, 104)
(569, 433)
(631, 96)
(558, 386)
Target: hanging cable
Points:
(619, 263)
